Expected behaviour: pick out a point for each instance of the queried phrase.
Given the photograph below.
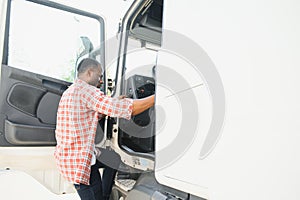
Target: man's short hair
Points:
(87, 63)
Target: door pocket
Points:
(21, 134)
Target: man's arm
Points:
(140, 105)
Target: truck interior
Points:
(147, 25)
(138, 135)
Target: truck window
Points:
(48, 41)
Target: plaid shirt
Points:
(77, 118)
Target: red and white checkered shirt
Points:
(77, 118)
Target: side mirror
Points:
(86, 48)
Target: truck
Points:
(225, 77)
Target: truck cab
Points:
(40, 56)
(225, 77)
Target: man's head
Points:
(90, 71)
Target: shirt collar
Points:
(79, 81)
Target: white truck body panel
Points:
(253, 50)
(255, 47)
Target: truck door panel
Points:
(28, 108)
(39, 60)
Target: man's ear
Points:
(90, 72)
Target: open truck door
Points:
(42, 43)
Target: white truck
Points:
(226, 121)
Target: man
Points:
(78, 113)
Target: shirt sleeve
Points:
(113, 107)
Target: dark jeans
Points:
(98, 190)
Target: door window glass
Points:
(47, 40)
